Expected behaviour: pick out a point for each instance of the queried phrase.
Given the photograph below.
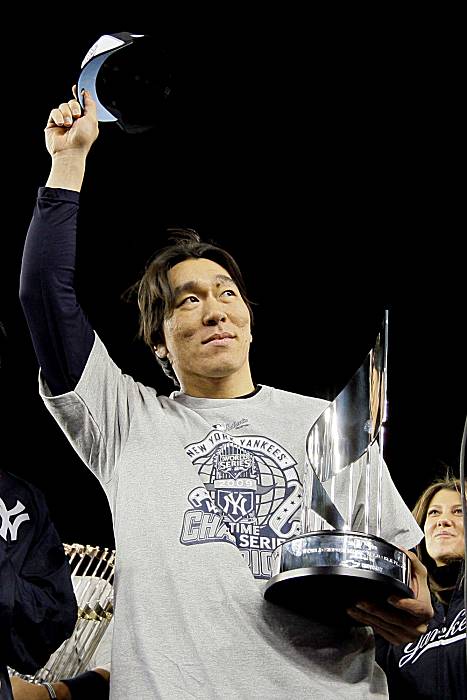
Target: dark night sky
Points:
(323, 159)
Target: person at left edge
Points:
(38, 609)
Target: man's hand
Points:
(402, 620)
(71, 129)
(69, 135)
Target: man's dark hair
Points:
(155, 297)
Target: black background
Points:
(322, 152)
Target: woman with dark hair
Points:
(434, 666)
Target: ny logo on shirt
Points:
(9, 525)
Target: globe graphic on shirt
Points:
(247, 485)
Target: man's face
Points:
(444, 527)
(208, 335)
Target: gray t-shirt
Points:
(193, 548)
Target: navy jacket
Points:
(434, 666)
(38, 609)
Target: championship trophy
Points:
(92, 572)
(333, 564)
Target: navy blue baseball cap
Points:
(129, 78)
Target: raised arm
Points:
(62, 335)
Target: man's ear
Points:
(160, 350)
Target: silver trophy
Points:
(92, 572)
(333, 563)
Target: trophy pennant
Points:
(322, 504)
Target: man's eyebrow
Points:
(193, 285)
(224, 279)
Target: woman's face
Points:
(444, 527)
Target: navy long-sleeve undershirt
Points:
(61, 333)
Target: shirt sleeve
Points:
(61, 333)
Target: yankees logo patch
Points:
(251, 496)
(11, 519)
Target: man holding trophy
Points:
(205, 484)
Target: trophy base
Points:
(321, 574)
